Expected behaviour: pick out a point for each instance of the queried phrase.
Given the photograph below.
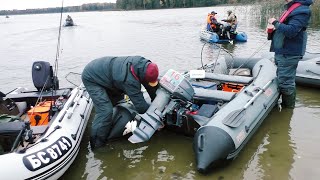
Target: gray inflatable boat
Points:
(308, 71)
(222, 109)
(222, 136)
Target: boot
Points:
(289, 101)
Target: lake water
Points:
(284, 147)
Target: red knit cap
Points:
(152, 73)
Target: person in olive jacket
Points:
(107, 79)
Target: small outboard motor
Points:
(42, 76)
(172, 85)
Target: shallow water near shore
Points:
(284, 147)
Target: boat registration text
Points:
(47, 155)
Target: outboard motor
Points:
(42, 76)
(172, 85)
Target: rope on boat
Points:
(312, 72)
(40, 96)
(313, 52)
(254, 53)
(225, 50)
(215, 63)
(70, 80)
(220, 48)
(201, 55)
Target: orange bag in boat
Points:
(39, 115)
(232, 87)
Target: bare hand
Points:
(271, 20)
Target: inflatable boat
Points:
(308, 71)
(221, 106)
(41, 131)
(68, 22)
(213, 37)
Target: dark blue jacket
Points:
(290, 37)
(113, 73)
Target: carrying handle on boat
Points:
(312, 71)
(5, 94)
(201, 142)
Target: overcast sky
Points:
(29, 4)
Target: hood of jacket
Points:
(140, 66)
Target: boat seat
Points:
(213, 95)
(14, 128)
(39, 129)
(22, 106)
(229, 78)
(34, 95)
(11, 128)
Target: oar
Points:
(235, 118)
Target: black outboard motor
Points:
(172, 85)
(42, 76)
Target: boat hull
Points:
(56, 149)
(213, 37)
(227, 132)
(221, 118)
(308, 72)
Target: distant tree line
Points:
(267, 6)
(157, 4)
(84, 7)
(128, 5)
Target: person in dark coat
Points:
(289, 41)
(107, 79)
(69, 20)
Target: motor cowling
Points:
(42, 76)
(173, 85)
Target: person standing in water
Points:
(288, 41)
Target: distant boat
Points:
(213, 37)
(69, 21)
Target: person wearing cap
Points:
(232, 21)
(229, 24)
(107, 79)
(212, 23)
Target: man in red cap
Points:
(107, 79)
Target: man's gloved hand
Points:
(130, 127)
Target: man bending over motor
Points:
(107, 79)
